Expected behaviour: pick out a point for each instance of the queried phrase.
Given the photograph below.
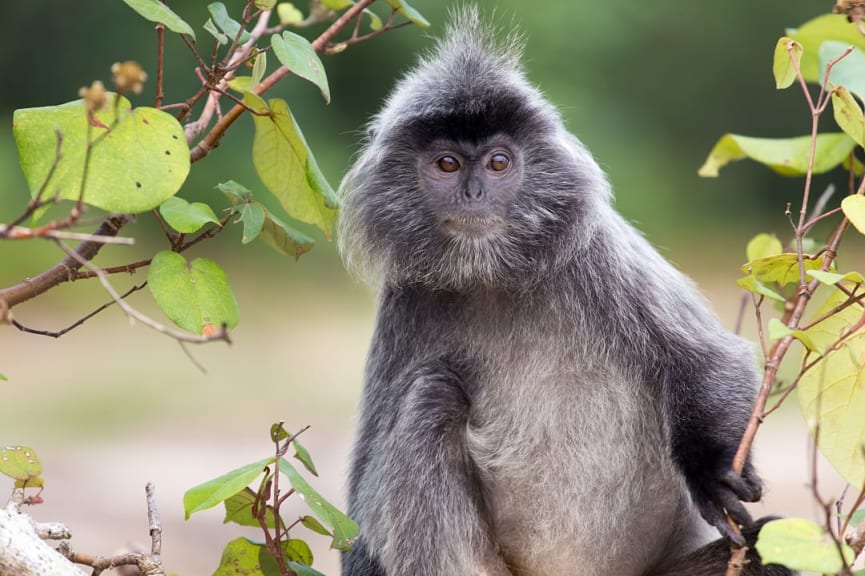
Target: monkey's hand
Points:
(723, 495)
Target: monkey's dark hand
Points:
(723, 495)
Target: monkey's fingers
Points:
(717, 518)
(746, 487)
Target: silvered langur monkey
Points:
(545, 395)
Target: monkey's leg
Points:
(712, 559)
(431, 519)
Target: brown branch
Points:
(64, 271)
(211, 141)
(78, 322)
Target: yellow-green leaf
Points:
(815, 32)
(854, 209)
(832, 393)
(754, 286)
(196, 296)
(786, 156)
(413, 15)
(187, 217)
(763, 245)
(778, 330)
(781, 268)
(139, 157)
(288, 14)
(287, 167)
(801, 545)
(831, 278)
(786, 51)
(19, 462)
(848, 115)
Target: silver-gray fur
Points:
(545, 397)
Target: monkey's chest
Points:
(573, 461)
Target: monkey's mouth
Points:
(474, 225)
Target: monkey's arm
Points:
(414, 487)
(708, 392)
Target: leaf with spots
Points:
(19, 462)
(138, 157)
(196, 295)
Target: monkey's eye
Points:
(499, 162)
(448, 164)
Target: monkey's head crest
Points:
(469, 96)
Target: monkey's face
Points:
(470, 185)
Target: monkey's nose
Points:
(474, 190)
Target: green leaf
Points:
(801, 545)
(235, 192)
(831, 278)
(812, 34)
(337, 5)
(185, 217)
(854, 209)
(303, 455)
(302, 570)
(786, 51)
(241, 83)
(3, 377)
(259, 67)
(240, 557)
(238, 509)
(219, 16)
(297, 551)
(250, 212)
(848, 115)
(265, 4)
(345, 530)
(786, 156)
(282, 237)
(30, 482)
(754, 286)
(19, 462)
(314, 525)
(195, 296)
(278, 433)
(763, 245)
(139, 157)
(857, 517)
(781, 268)
(375, 22)
(778, 330)
(846, 72)
(413, 15)
(287, 167)
(210, 27)
(219, 489)
(288, 14)
(297, 54)
(832, 393)
(156, 11)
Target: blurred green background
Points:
(649, 87)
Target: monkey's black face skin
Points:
(470, 185)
